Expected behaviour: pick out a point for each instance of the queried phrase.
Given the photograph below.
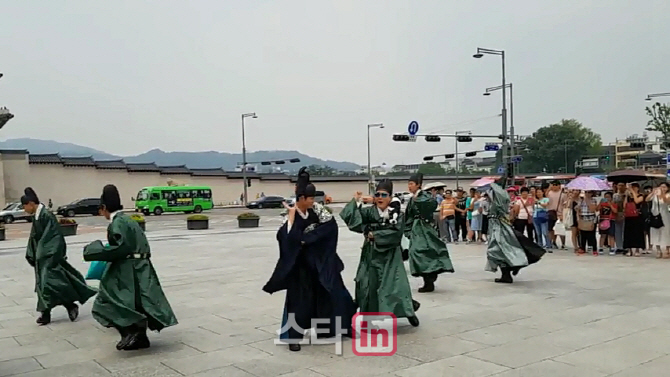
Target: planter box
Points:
(69, 230)
(143, 225)
(197, 224)
(248, 223)
(2, 234)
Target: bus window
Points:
(195, 194)
(207, 194)
(155, 196)
(142, 195)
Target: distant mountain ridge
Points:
(210, 159)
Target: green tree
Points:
(432, 168)
(660, 120)
(553, 147)
(321, 170)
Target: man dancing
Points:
(309, 269)
(428, 254)
(56, 281)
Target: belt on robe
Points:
(139, 256)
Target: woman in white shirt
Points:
(659, 220)
(523, 213)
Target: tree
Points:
(321, 170)
(432, 168)
(660, 120)
(553, 147)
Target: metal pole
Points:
(244, 163)
(565, 151)
(456, 156)
(511, 124)
(369, 168)
(504, 114)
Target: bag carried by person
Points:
(542, 216)
(655, 221)
(604, 224)
(96, 270)
(586, 225)
(630, 210)
(568, 221)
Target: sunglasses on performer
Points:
(382, 194)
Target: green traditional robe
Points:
(56, 281)
(381, 279)
(130, 291)
(428, 254)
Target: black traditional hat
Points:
(29, 196)
(385, 185)
(416, 178)
(111, 199)
(303, 186)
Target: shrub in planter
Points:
(140, 220)
(68, 226)
(248, 220)
(197, 222)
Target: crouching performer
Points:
(381, 280)
(130, 297)
(309, 269)
(56, 281)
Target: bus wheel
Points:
(146, 212)
(158, 211)
(197, 209)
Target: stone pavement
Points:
(565, 316)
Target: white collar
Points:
(38, 211)
(299, 212)
(113, 215)
(384, 214)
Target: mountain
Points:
(209, 159)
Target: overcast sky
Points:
(128, 76)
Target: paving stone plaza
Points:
(565, 316)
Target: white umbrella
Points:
(431, 186)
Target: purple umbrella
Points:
(588, 184)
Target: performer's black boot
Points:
(428, 283)
(414, 320)
(416, 305)
(72, 311)
(44, 318)
(138, 338)
(506, 276)
(125, 337)
(294, 347)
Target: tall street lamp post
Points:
(650, 96)
(511, 113)
(244, 155)
(480, 53)
(370, 182)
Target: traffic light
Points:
(399, 137)
(433, 138)
(449, 155)
(470, 154)
(636, 144)
(280, 162)
(248, 182)
(265, 163)
(428, 158)
(294, 160)
(463, 139)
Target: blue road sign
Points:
(492, 147)
(501, 170)
(667, 158)
(517, 159)
(413, 127)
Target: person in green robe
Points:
(56, 281)
(508, 249)
(428, 254)
(130, 296)
(381, 279)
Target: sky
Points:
(128, 76)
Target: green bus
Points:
(159, 199)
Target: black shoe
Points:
(73, 312)
(506, 279)
(137, 341)
(416, 305)
(125, 340)
(405, 255)
(428, 286)
(414, 321)
(44, 319)
(294, 347)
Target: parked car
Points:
(321, 198)
(13, 212)
(89, 206)
(267, 202)
(404, 196)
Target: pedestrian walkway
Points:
(565, 316)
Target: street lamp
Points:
(244, 155)
(374, 125)
(650, 96)
(511, 113)
(480, 54)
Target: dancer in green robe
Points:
(381, 279)
(428, 254)
(56, 281)
(131, 298)
(508, 249)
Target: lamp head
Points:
(646, 99)
(487, 93)
(478, 56)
